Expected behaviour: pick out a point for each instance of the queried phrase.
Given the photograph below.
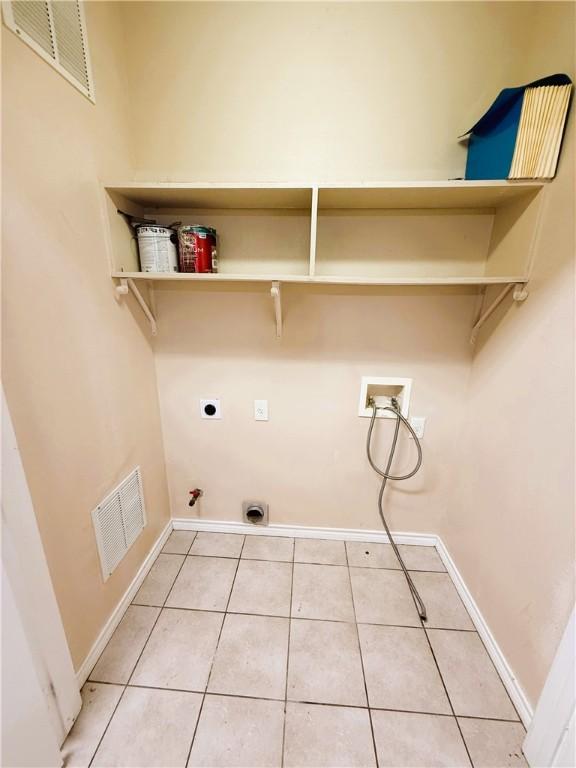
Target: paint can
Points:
(157, 248)
(197, 246)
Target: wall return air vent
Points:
(118, 520)
(56, 30)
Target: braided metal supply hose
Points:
(385, 475)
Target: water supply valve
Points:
(194, 496)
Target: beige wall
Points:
(78, 367)
(308, 462)
(315, 91)
(512, 524)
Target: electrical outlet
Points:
(210, 409)
(261, 410)
(418, 423)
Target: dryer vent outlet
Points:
(255, 512)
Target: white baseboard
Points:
(301, 531)
(106, 633)
(345, 534)
(507, 676)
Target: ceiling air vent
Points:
(118, 520)
(56, 30)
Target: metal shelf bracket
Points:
(520, 293)
(122, 289)
(277, 299)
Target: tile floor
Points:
(266, 651)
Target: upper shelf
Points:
(170, 196)
(387, 195)
(425, 195)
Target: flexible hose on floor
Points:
(385, 475)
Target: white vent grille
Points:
(118, 520)
(56, 30)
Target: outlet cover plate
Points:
(261, 410)
(418, 424)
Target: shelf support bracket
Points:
(277, 299)
(124, 287)
(520, 294)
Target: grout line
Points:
(157, 619)
(436, 629)
(196, 727)
(288, 654)
(107, 725)
(307, 702)
(215, 651)
(300, 618)
(178, 553)
(137, 660)
(447, 694)
(224, 614)
(307, 562)
(361, 659)
(491, 720)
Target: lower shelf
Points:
(127, 283)
(318, 279)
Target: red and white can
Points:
(197, 249)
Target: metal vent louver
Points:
(57, 31)
(118, 520)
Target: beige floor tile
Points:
(262, 587)
(180, 650)
(204, 583)
(406, 740)
(251, 657)
(400, 670)
(124, 647)
(320, 736)
(320, 551)
(383, 597)
(494, 744)
(469, 675)
(179, 542)
(325, 664)
(159, 580)
(258, 547)
(238, 732)
(444, 609)
(418, 558)
(217, 544)
(322, 592)
(371, 555)
(98, 703)
(150, 728)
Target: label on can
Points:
(197, 246)
(157, 249)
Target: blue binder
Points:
(493, 138)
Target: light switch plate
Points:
(261, 410)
